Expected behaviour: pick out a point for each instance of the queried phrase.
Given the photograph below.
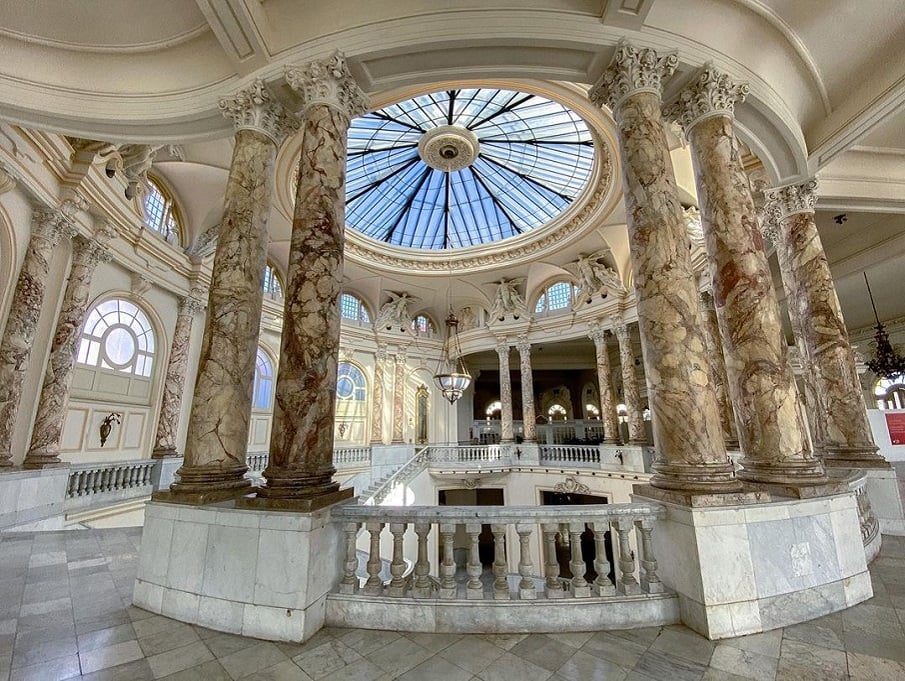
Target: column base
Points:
(302, 505)
(199, 485)
(792, 474)
(743, 497)
(282, 483)
(42, 461)
(165, 453)
(703, 478)
(837, 456)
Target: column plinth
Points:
(685, 415)
(529, 420)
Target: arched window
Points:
(118, 336)
(272, 285)
(161, 214)
(557, 412)
(890, 393)
(262, 397)
(353, 310)
(494, 410)
(422, 326)
(592, 411)
(350, 383)
(558, 296)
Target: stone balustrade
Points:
(95, 483)
(257, 461)
(469, 454)
(577, 454)
(620, 525)
(489, 431)
(352, 457)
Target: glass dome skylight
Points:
(458, 168)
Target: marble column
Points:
(47, 434)
(685, 414)
(772, 434)
(215, 447)
(506, 430)
(714, 342)
(529, 422)
(399, 399)
(605, 382)
(174, 382)
(301, 468)
(632, 395)
(377, 401)
(846, 439)
(24, 310)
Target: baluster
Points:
(89, 486)
(349, 583)
(580, 586)
(526, 589)
(108, 479)
(627, 583)
(474, 590)
(118, 478)
(500, 584)
(448, 566)
(73, 484)
(139, 475)
(421, 588)
(83, 483)
(374, 586)
(553, 583)
(397, 566)
(602, 585)
(650, 582)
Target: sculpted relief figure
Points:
(595, 277)
(394, 314)
(507, 301)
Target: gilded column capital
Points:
(330, 83)
(710, 93)
(523, 345)
(254, 108)
(781, 202)
(632, 70)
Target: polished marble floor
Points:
(65, 613)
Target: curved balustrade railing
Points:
(625, 525)
(576, 454)
(99, 479)
(501, 454)
(352, 457)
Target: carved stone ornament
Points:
(89, 252)
(193, 303)
(328, 82)
(523, 345)
(46, 223)
(632, 70)
(769, 223)
(471, 483)
(596, 332)
(508, 302)
(596, 278)
(782, 202)
(571, 486)
(710, 93)
(394, 315)
(254, 108)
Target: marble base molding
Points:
(747, 569)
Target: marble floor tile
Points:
(663, 666)
(744, 663)
(868, 668)
(472, 654)
(509, 667)
(399, 656)
(437, 668)
(247, 661)
(366, 641)
(174, 636)
(326, 658)
(139, 670)
(179, 659)
(60, 668)
(361, 670)
(768, 643)
(284, 671)
(623, 652)
(110, 656)
(434, 642)
(543, 651)
(208, 671)
(685, 644)
(583, 666)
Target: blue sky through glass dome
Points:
(535, 158)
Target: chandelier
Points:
(887, 363)
(452, 377)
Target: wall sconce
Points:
(106, 426)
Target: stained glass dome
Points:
(464, 167)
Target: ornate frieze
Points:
(710, 93)
(328, 82)
(254, 108)
(632, 70)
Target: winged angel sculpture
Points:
(507, 301)
(395, 314)
(595, 277)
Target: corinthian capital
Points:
(710, 93)
(523, 345)
(597, 333)
(632, 70)
(46, 223)
(88, 252)
(254, 108)
(328, 82)
(794, 198)
(193, 303)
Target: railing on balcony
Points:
(488, 431)
(471, 454)
(352, 457)
(574, 454)
(626, 525)
(95, 482)
(257, 461)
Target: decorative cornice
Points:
(330, 83)
(710, 93)
(632, 70)
(253, 108)
(782, 202)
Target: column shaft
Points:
(714, 342)
(24, 310)
(377, 399)
(605, 384)
(506, 431)
(636, 434)
(399, 400)
(527, 381)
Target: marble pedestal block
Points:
(747, 569)
(29, 496)
(263, 574)
(886, 500)
(164, 473)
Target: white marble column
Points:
(215, 447)
(685, 414)
(631, 393)
(506, 430)
(24, 310)
(380, 359)
(174, 381)
(714, 342)
(846, 438)
(529, 422)
(47, 434)
(772, 434)
(300, 470)
(605, 385)
(399, 399)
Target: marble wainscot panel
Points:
(883, 490)
(747, 569)
(32, 497)
(257, 573)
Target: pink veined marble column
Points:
(636, 434)
(399, 399)
(24, 310)
(714, 343)
(300, 470)
(377, 401)
(47, 434)
(527, 380)
(215, 447)
(506, 431)
(174, 382)
(605, 383)
(685, 414)
(846, 440)
(771, 432)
